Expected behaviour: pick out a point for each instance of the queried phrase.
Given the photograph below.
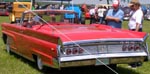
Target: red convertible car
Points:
(56, 42)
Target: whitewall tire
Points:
(8, 46)
(39, 63)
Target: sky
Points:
(104, 1)
(101, 2)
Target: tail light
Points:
(74, 51)
(68, 51)
(131, 46)
(81, 50)
(137, 47)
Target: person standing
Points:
(135, 22)
(100, 12)
(92, 12)
(62, 7)
(136, 19)
(115, 15)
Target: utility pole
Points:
(33, 1)
(107, 1)
(61, 2)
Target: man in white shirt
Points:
(92, 12)
(100, 12)
(136, 19)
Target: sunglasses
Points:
(132, 6)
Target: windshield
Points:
(42, 17)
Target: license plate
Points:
(102, 61)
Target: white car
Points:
(147, 16)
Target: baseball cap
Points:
(115, 3)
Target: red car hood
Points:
(69, 33)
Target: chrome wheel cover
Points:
(39, 63)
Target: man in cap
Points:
(115, 16)
(136, 19)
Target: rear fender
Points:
(46, 59)
(8, 35)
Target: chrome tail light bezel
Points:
(125, 46)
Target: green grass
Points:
(14, 64)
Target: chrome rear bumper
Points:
(102, 59)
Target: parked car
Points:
(144, 9)
(17, 9)
(4, 12)
(3, 9)
(59, 43)
(126, 13)
(147, 15)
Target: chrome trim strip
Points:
(104, 40)
(58, 50)
(58, 53)
(146, 36)
(96, 56)
(23, 56)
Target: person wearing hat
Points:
(115, 15)
(135, 22)
(136, 19)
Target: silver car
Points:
(126, 13)
(147, 16)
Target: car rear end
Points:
(102, 52)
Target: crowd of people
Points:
(114, 16)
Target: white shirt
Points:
(92, 11)
(62, 7)
(136, 17)
(101, 12)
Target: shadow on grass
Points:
(123, 70)
(24, 60)
(89, 70)
(77, 70)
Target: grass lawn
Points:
(14, 64)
